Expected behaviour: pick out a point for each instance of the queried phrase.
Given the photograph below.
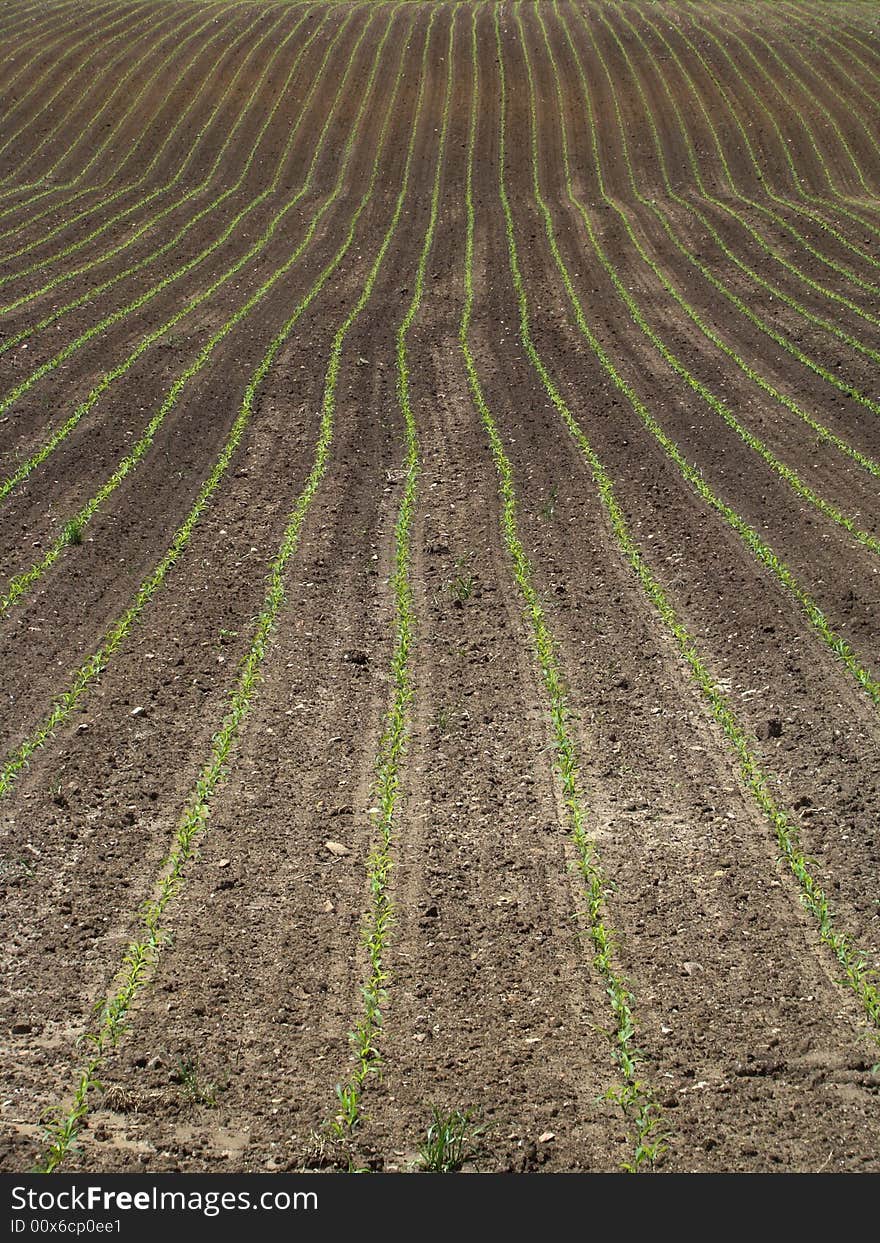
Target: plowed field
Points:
(439, 460)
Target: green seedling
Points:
(196, 1089)
(445, 717)
(451, 1140)
(349, 1109)
(11, 868)
(461, 587)
(73, 532)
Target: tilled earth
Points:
(693, 226)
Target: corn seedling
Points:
(197, 1089)
(72, 533)
(461, 588)
(549, 508)
(452, 1139)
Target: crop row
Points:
(637, 315)
(90, 669)
(195, 153)
(739, 302)
(752, 540)
(723, 204)
(817, 107)
(154, 38)
(392, 744)
(798, 12)
(821, 39)
(71, 109)
(50, 21)
(141, 953)
(633, 1094)
(152, 927)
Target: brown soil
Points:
(757, 1055)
